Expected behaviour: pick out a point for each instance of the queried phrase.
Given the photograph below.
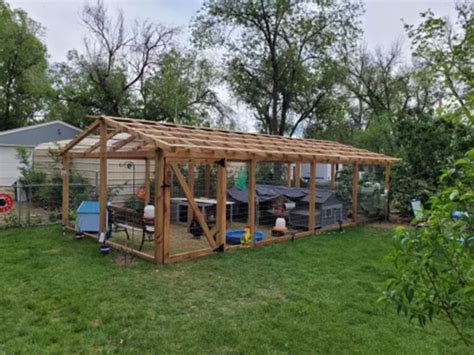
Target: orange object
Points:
(141, 192)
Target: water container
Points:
(280, 223)
(149, 212)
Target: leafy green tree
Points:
(180, 90)
(434, 265)
(427, 145)
(105, 77)
(444, 52)
(279, 55)
(23, 68)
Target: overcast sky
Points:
(382, 25)
(382, 20)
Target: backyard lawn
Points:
(313, 295)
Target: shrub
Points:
(435, 265)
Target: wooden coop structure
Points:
(166, 149)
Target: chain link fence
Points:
(39, 204)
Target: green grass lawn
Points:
(315, 295)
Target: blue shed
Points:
(87, 219)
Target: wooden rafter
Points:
(97, 145)
(80, 137)
(181, 142)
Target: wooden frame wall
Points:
(166, 168)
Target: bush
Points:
(435, 264)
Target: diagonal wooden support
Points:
(193, 205)
(97, 145)
(80, 137)
(122, 143)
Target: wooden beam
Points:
(118, 246)
(189, 255)
(147, 182)
(207, 181)
(122, 143)
(271, 156)
(332, 183)
(80, 136)
(115, 155)
(168, 174)
(221, 219)
(355, 190)
(65, 203)
(252, 165)
(97, 145)
(387, 192)
(297, 174)
(103, 178)
(159, 215)
(191, 187)
(312, 197)
(193, 205)
(288, 174)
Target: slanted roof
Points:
(30, 136)
(181, 141)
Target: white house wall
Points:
(9, 165)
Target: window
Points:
(329, 213)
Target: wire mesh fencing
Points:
(39, 204)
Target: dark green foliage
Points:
(426, 145)
(435, 264)
(270, 59)
(23, 66)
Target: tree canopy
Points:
(24, 83)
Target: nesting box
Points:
(87, 219)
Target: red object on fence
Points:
(6, 202)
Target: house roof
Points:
(30, 136)
(183, 141)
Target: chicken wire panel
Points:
(343, 191)
(237, 208)
(372, 196)
(272, 200)
(126, 198)
(186, 233)
(125, 201)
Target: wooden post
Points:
(147, 182)
(332, 184)
(355, 190)
(387, 191)
(207, 181)
(191, 187)
(297, 174)
(221, 219)
(168, 174)
(65, 203)
(251, 197)
(288, 177)
(312, 197)
(159, 215)
(103, 179)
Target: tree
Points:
(115, 60)
(280, 54)
(179, 90)
(444, 52)
(23, 68)
(434, 265)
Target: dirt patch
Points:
(123, 259)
